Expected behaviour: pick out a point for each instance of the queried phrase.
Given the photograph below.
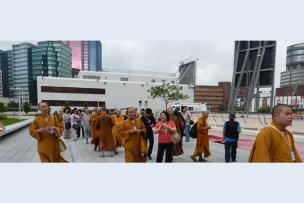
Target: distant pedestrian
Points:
(187, 118)
(67, 124)
(231, 132)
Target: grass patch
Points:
(9, 121)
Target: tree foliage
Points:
(168, 93)
(3, 107)
(26, 107)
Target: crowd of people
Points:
(135, 131)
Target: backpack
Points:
(193, 131)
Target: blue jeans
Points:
(187, 132)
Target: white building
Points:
(110, 89)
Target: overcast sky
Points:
(215, 58)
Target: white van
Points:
(193, 108)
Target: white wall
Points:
(117, 94)
(132, 77)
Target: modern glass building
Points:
(294, 74)
(6, 73)
(22, 65)
(49, 58)
(86, 55)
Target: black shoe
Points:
(95, 148)
(193, 158)
(202, 160)
(149, 157)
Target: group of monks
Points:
(273, 143)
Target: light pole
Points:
(19, 89)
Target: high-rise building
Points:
(6, 73)
(253, 74)
(22, 65)
(187, 73)
(86, 55)
(294, 74)
(49, 58)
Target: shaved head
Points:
(278, 109)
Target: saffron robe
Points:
(103, 127)
(48, 144)
(202, 141)
(271, 146)
(116, 131)
(135, 143)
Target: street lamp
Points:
(19, 90)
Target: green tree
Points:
(3, 107)
(168, 93)
(66, 105)
(26, 107)
(85, 106)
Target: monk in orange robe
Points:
(92, 122)
(47, 129)
(202, 141)
(118, 119)
(275, 143)
(103, 127)
(134, 132)
(178, 147)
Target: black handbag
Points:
(75, 126)
(67, 125)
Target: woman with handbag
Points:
(75, 126)
(165, 129)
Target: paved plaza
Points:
(20, 147)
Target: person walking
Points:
(231, 131)
(202, 141)
(46, 130)
(149, 122)
(165, 128)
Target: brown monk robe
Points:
(178, 147)
(45, 129)
(118, 119)
(134, 131)
(92, 122)
(202, 141)
(275, 143)
(103, 127)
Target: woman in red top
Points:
(165, 128)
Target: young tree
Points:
(26, 107)
(168, 93)
(2, 107)
(66, 105)
(85, 106)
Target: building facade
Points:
(109, 89)
(254, 67)
(6, 73)
(294, 74)
(49, 58)
(22, 66)
(187, 73)
(86, 55)
(130, 76)
(214, 96)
